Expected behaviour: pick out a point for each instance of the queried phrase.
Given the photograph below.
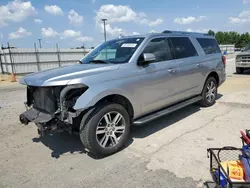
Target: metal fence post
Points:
(1, 63)
(5, 62)
(37, 58)
(11, 60)
(58, 55)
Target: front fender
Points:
(92, 96)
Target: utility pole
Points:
(104, 27)
(40, 43)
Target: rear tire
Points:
(209, 93)
(105, 129)
(239, 70)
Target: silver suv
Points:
(123, 82)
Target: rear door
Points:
(191, 77)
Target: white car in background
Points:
(242, 60)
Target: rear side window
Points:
(181, 47)
(209, 46)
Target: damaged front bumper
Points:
(33, 115)
(51, 108)
(47, 123)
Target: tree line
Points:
(231, 37)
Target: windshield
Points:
(247, 47)
(114, 51)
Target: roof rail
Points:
(185, 32)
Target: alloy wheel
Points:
(211, 92)
(110, 129)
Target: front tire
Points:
(105, 129)
(239, 70)
(209, 92)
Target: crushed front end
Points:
(51, 108)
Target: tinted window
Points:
(209, 46)
(181, 47)
(159, 48)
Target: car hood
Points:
(244, 53)
(63, 75)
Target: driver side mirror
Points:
(146, 58)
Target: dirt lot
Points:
(169, 152)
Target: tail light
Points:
(224, 60)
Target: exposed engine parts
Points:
(51, 108)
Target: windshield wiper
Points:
(99, 61)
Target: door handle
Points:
(199, 65)
(172, 70)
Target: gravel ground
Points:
(169, 152)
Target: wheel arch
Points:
(119, 99)
(215, 75)
(88, 100)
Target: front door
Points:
(158, 84)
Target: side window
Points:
(181, 47)
(209, 46)
(159, 48)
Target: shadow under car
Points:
(61, 143)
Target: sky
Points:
(73, 23)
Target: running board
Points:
(166, 111)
